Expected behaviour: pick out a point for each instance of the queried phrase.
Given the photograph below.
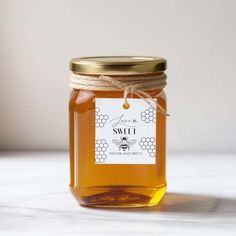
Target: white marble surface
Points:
(35, 199)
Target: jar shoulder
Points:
(79, 97)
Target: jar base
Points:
(120, 196)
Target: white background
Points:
(37, 39)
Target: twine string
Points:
(131, 85)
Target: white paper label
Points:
(125, 136)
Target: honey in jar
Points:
(117, 116)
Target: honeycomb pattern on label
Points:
(100, 150)
(100, 119)
(149, 115)
(148, 144)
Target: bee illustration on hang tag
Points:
(124, 143)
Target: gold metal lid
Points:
(117, 65)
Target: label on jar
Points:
(124, 136)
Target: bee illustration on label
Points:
(124, 143)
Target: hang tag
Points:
(125, 135)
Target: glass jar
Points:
(117, 146)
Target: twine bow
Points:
(131, 85)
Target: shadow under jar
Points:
(117, 131)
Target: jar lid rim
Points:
(112, 65)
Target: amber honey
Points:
(112, 185)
